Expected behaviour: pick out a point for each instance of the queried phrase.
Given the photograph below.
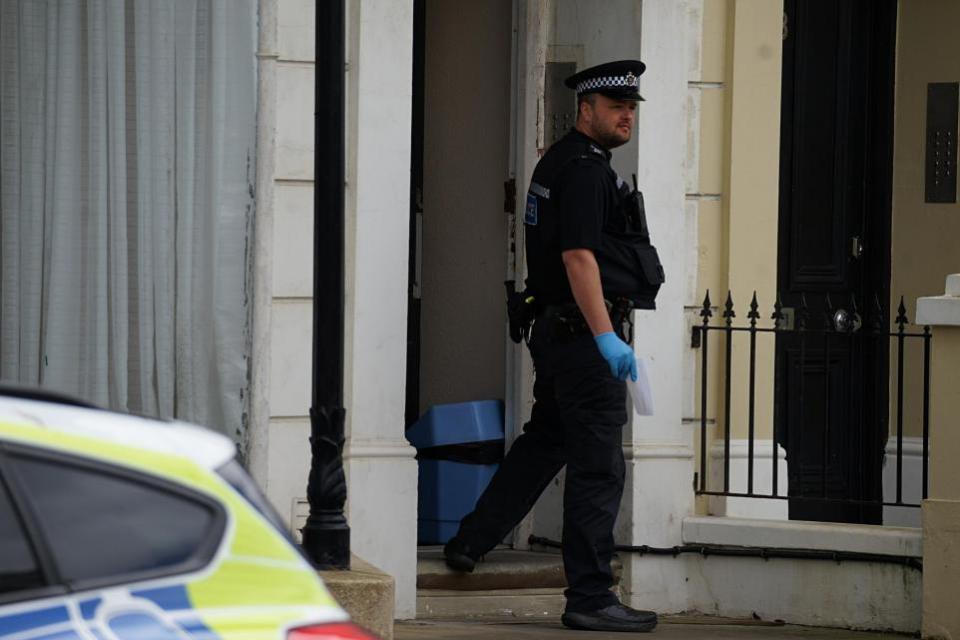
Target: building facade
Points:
(786, 150)
(709, 155)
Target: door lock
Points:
(856, 247)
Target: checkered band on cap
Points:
(607, 82)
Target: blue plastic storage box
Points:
(448, 484)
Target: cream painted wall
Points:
(925, 237)
(941, 513)
(753, 177)
(466, 154)
(708, 86)
(735, 197)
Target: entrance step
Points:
(367, 594)
(506, 583)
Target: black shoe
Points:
(616, 617)
(458, 556)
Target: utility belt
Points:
(567, 319)
(523, 310)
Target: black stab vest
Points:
(630, 267)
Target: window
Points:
(18, 565)
(100, 526)
(127, 156)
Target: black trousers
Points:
(577, 420)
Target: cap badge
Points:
(631, 79)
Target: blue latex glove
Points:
(618, 355)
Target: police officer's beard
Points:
(609, 138)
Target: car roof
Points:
(52, 412)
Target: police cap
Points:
(619, 80)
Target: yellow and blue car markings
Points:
(256, 586)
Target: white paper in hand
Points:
(640, 391)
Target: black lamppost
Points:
(326, 536)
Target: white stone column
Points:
(380, 466)
(659, 448)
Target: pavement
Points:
(458, 606)
(674, 627)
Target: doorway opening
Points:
(458, 247)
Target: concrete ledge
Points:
(795, 534)
(938, 311)
(941, 310)
(367, 594)
(527, 604)
(953, 285)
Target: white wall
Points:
(856, 595)
(381, 472)
(287, 451)
(660, 461)
(278, 455)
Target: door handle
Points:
(845, 322)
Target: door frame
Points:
(530, 29)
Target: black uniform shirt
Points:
(573, 191)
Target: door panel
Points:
(820, 208)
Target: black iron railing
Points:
(834, 435)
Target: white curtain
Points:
(127, 133)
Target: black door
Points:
(833, 254)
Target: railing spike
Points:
(901, 316)
(706, 313)
(877, 320)
(777, 316)
(728, 313)
(754, 314)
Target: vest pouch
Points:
(653, 275)
(630, 267)
(634, 215)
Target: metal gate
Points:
(836, 329)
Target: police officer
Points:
(589, 262)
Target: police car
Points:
(114, 527)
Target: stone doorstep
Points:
(507, 583)
(498, 604)
(366, 593)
